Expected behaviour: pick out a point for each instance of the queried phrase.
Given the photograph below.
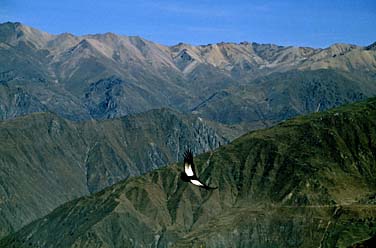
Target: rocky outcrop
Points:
(16, 102)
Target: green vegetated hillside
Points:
(104, 76)
(47, 160)
(307, 182)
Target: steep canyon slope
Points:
(47, 160)
(307, 182)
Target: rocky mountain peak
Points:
(15, 32)
(9, 32)
(339, 48)
(371, 47)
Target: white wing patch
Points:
(188, 170)
(197, 182)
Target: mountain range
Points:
(103, 76)
(307, 182)
(81, 115)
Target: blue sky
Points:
(315, 23)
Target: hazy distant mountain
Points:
(308, 182)
(47, 160)
(105, 75)
(283, 95)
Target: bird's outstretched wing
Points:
(189, 167)
(200, 184)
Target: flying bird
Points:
(189, 173)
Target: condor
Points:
(189, 173)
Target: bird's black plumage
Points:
(189, 174)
